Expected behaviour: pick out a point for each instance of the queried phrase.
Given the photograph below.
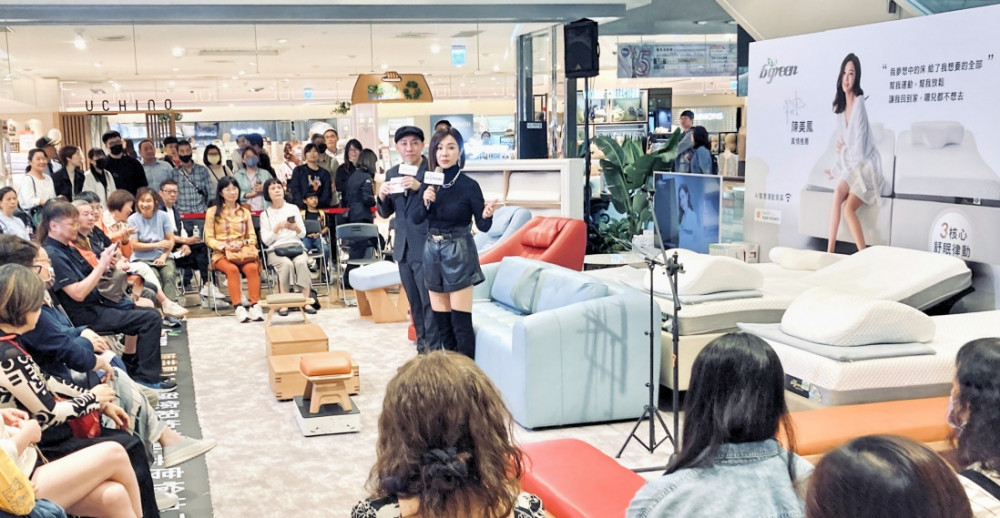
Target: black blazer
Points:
(409, 241)
(60, 180)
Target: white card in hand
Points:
(396, 185)
(408, 170)
(432, 178)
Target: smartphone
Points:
(291, 219)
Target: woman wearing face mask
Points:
(98, 180)
(293, 159)
(351, 153)
(69, 180)
(974, 414)
(36, 186)
(213, 161)
(310, 176)
(251, 180)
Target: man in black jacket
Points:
(399, 195)
(127, 171)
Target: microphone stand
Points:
(673, 269)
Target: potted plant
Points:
(626, 170)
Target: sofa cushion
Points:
(544, 233)
(515, 282)
(558, 288)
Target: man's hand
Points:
(411, 183)
(106, 257)
(102, 364)
(184, 250)
(384, 191)
(160, 261)
(96, 340)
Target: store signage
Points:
(123, 106)
(458, 55)
(391, 87)
(676, 59)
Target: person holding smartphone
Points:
(281, 231)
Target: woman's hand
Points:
(829, 174)
(430, 195)
(117, 414)
(105, 394)
(234, 246)
(840, 145)
(96, 340)
(30, 430)
(13, 416)
(488, 210)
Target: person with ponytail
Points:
(445, 447)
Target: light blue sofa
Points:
(506, 221)
(563, 347)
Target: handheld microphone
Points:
(435, 180)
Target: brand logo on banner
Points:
(391, 87)
(772, 70)
(676, 59)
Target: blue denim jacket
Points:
(747, 480)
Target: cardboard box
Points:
(295, 339)
(287, 381)
(329, 420)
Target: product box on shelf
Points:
(295, 339)
(287, 381)
(742, 250)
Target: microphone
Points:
(435, 180)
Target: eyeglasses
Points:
(38, 268)
(171, 191)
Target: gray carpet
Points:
(264, 467)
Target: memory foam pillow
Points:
(704, 274)
(514, 285)
(795, 259)
(827, 316)
(936, 134)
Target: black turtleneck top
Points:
(455, 206)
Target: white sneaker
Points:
(241, 314)
(209, 290)
(165, 499)
(185, 450)
(256, 313)
(173, 309)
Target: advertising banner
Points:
(676, 60)
(881, 133)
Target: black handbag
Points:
(290, 250)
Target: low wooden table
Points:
(288, 301)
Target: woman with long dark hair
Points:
(451, 263)
(882, 476)
(975, 416)
(858, 170)
(98, 179)
(730, 463)
(701, 156)
(352, 151)
(446, 447)
(69, 180)
(229, 233)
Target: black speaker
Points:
(532, 140)
(582, 51)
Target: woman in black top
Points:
(359, 195)
(451, 263)
(351, 153)
(311, 177)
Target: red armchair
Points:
(561, 241)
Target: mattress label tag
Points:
(802, 388)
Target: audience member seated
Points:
(23, 384)
(884, 476)
(229, 233)
(190, 249)
(115, 222)
(94, 481)
(281, 231)
(445, 446)
(152, 244)
(58, 347)
(730, 463)
(10, 223)
(975, 417)
(76, 289)
(316, 241)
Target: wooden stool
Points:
(277, 301)
(326, 380)
(371, 286)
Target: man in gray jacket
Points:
(682, 164)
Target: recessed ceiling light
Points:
(541, 58)
(175, 69)
(171, 83)
(435, 48)
(731, 22)
(177, 52)
(282, 40)
(701, 22)
(225, 85)
(80, 43)
(73, 94)
(97, 64)
(231, 105)
(234, 78)
(496, 68)
(287, 80)
(462, 85)
(251, 63)
(111, 82)
(242, 72)
(384, 66)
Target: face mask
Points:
(184, 158)
(321, 147)
(102, 163)
(251, 161)
(117, 149)
(214, 159)
(298, 154)
(952, 418)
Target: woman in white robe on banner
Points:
(858, 170)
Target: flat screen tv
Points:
(686, 208)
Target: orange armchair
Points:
(561, 241)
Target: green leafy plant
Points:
(341, 108)
(627, 169)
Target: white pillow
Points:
(795, 259)
(936, 134)
(704, 274)
(827, 316)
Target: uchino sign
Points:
(770, 70)
(124, 106)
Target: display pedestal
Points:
(330, 419)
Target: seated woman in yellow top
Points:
(229, 228)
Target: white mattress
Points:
(916, 278)
(952, 171)
(886, 145)
(832, 382)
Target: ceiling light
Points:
(251, 63)
(225, 85)
(231, 105)
(282, 40)
(288, 80)
(731, 22)
(111, 82)
(435, 48)
(175, 69)
(177, 52)
(701, 22)
(384, 66)
(242, 72)
(80, 43)
(541, 58)
(234, 78)
(171, 83)
(462, 85)
(118, 86)
(97, 64)
(496, 68)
